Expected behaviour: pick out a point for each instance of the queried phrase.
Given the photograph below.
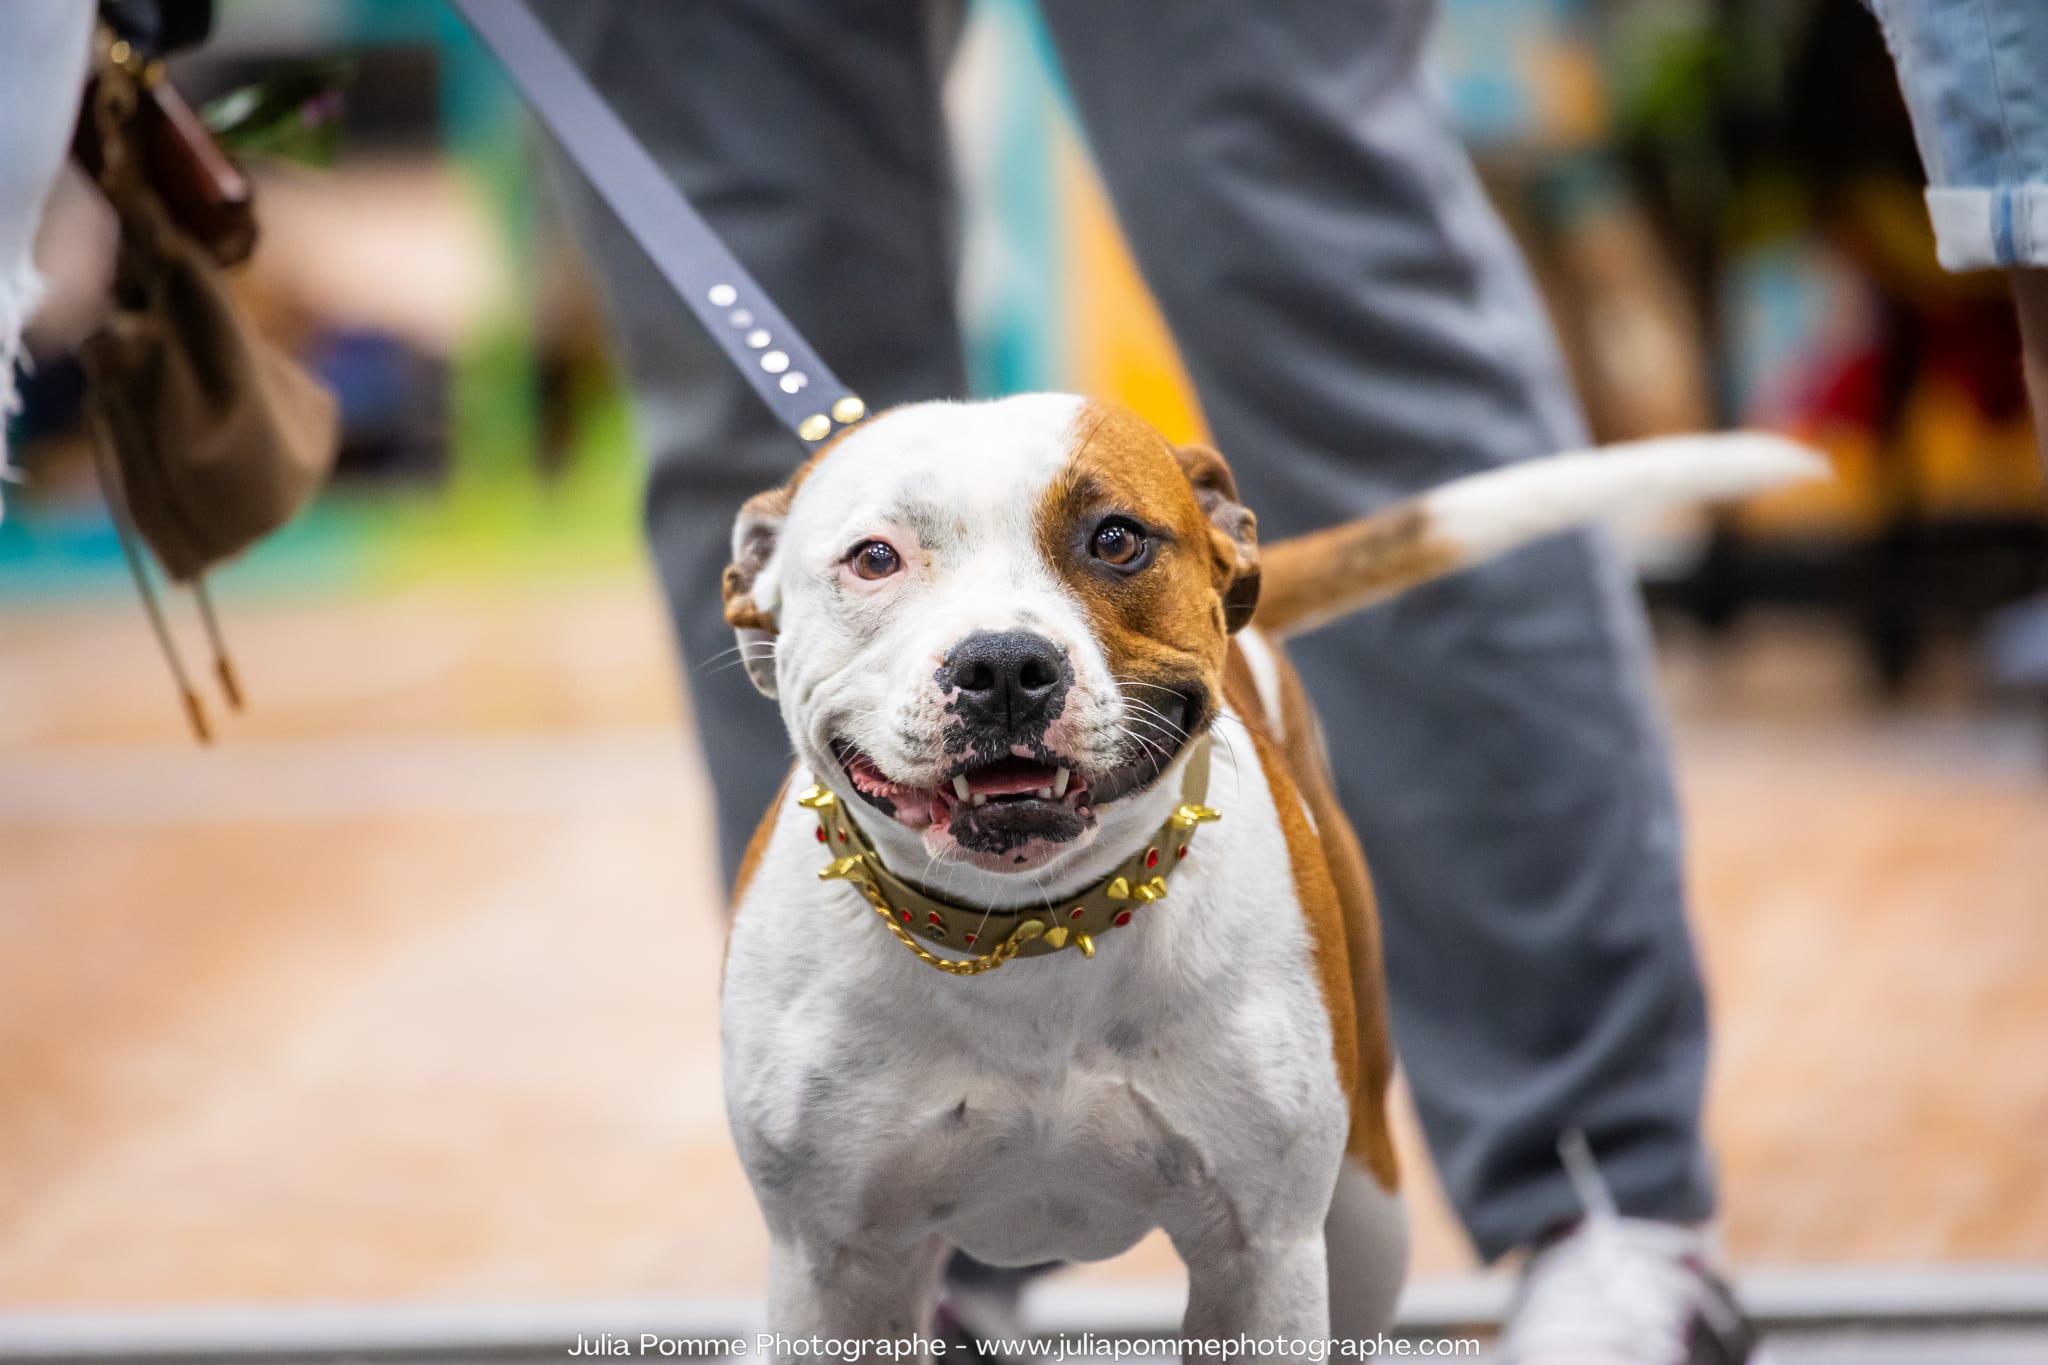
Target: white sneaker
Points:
(1623, 1291)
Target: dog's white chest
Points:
(1059, 1108)
(1053, 1143)
(1077, 1167)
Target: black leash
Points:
(791, 379)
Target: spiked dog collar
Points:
(999, 935)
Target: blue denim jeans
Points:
(1975, 76)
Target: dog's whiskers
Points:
(1166, 722)
(1165, 755)
(1121, 681)
(724, 659)
(1236, 768)
(1153, 720)
(1146, 709)
(1170, 741)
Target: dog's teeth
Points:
(961, 789)
(1059, 782)
(980, 799)
(1045, 793)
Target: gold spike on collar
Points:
(1075, 922)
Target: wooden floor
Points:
(406, 990)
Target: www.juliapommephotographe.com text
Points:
(1087, 1346)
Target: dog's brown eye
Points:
(1118, 542)
(875, 559)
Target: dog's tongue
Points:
(1009, 777)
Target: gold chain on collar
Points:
(1110, 903)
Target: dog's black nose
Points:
(1010, 678)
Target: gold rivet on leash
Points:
(1149, 891)
(1085, 944)
(849, 410)
(1188, 816)
(1057, 936)
(816, 797)
(1119, 889)
(815, 427)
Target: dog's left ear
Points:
(1233, 532)
(751, 593)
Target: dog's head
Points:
(996, 620)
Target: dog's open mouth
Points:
(1028, 794)
(1032, 795)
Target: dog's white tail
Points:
(1312, 580)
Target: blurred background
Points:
(405, 991)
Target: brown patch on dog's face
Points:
(1162, 617)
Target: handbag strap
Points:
(787, 374)
(116, 495)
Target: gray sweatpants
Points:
(1358, 327)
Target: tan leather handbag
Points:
(219, 437)
(209, 436)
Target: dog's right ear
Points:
(751, 592)
(1233, 531)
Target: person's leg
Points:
(811, 138)
(1359, 327)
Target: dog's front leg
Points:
(851, 1297)
(1260, 1289)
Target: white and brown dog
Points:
(1002, 636)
